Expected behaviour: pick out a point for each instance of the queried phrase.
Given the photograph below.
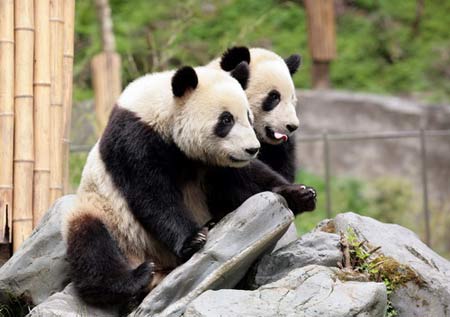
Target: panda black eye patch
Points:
(224, 124)
(271, 101)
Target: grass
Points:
(377, 51)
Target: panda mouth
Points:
(277, 136)
(235, 160)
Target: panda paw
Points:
(300, 198)
(193, 244)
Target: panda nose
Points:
(252, 151)
(292, 127)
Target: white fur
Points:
(269, 71)
(189, 121)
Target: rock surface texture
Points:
(66, 304)
(429, 297)
(309, 291)
(284, 275)
(39, 269)
(232, 246)
(319, 248)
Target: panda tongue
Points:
(279, 136)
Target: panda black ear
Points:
(241, 74)
(233, 56)
(184, 79)
(293, 63)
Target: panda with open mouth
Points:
(272, 98)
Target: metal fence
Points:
(421, 135)
(326, 138)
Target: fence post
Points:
(426, 211)
(326, 154)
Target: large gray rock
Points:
(232, 246)
(432, 296)
(66, 304)
(319, 248)
(39, 269)
(309, 291)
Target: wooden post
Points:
(23, 121)
(322, 39)
(105, 68)
(69, 27)
(56, 97)
(41, 189)
(6, 116)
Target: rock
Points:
(288, 237)
(432, 296)
(319, 248)
(232, 246)
(310, 291)
(39, 269)
(66, 304)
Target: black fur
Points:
(184, 79)
(281, 157)
(233, 56)
(293, 63)
(235, 185)
(99, 270)
(241, 74)
(224, 124)
(271, 101)
(148, 172)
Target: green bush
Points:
(377, 51)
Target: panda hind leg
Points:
(98, 269)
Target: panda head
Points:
(270, 91)
(212, 121)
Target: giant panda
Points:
(140, 207)
(272, 98)
(271, 94)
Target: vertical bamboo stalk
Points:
(6, 115)
(41, 191)
(56, 97)
(69, 20)
(106, 66)
(23, 121)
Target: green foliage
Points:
(387, 199)
(76, 165)
(376, 267)
(347, 194)
(377, 51)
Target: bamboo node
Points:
(6, 187)
(6, 114)
(23, 28)
(42, 170)
(5, 41)
(68, 56)
(56, 187)
(23, 161)
(22, 219)
(56, 104)
(22, 96)
(57, 20)
(43, 84)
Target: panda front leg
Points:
(300, 198)
(236, 185)
(100, 272)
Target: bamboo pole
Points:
(41, 191)
(106, 66)
(23, 122)
(6, 116)
(56, 97)
(69, 27)
(321, 39)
